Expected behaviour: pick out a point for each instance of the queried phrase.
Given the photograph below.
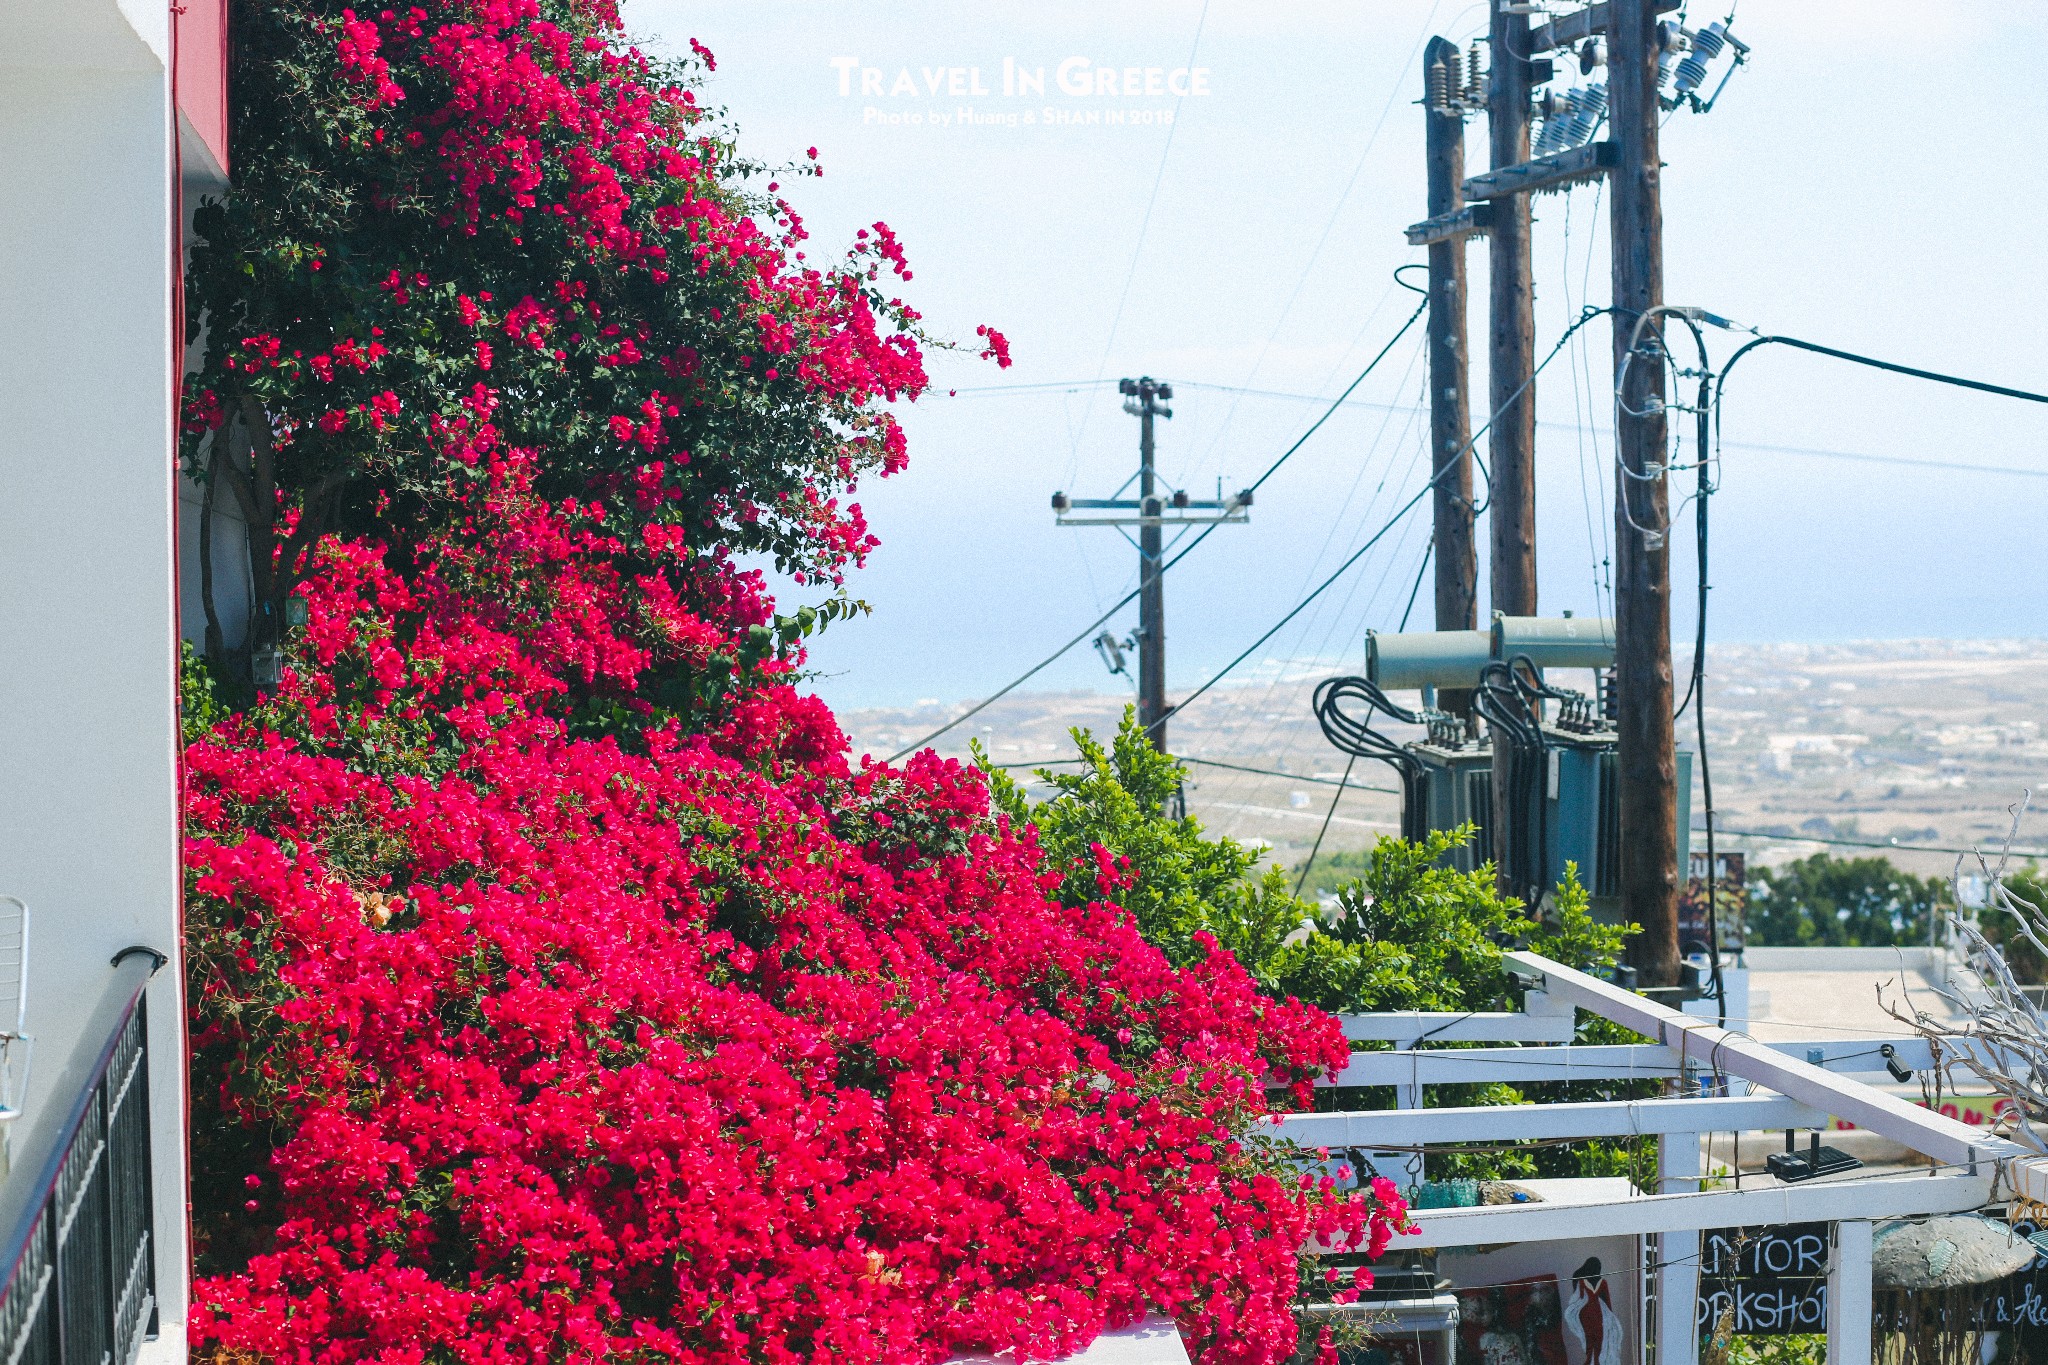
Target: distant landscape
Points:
(1918, 745)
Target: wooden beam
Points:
(1817, 1201)
(1473, 220)
(1475, 1065)
(1646, 765)
(1545, 172)
(1849, 1295)
(1691, 1038)
(1677, 1256)
(1610, 1062)
(1484, 1026)
(1575, 28)
(1384, 1128)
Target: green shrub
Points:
(1407, 930)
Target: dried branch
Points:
(2003, 1037)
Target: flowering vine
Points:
(560, 990)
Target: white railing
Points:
(1789, 1085)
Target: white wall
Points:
(88, 624)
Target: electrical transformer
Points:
(1530, 767)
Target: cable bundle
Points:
(1352, 735)
(1506, 701)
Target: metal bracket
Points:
(158, 959)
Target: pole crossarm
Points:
(1551, 172)
(1694, 1040)
(1203, 513)
(1384, 1129)
(1813, 1202)
(1473, 220)
(1576, 27)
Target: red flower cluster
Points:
(698, 1048)
(560, 992)
(524, 205)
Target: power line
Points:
(1217, 763)
(1340, 522)
(1862, 843)
(1865, 458)
(1351, 759)
(1449, 466)
(1336, 212)
(1300, 606)
(1144, 227)
(1874, 363)
(1761, 447)
(1132, 596)
(976, 390)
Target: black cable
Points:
(1874, 363)
(1505, 699)
(1338, 795)
(1328, 816)
(1696, 687)
(1696, 691)
(1585, 316)
(1302, 605)
(1356, 737)
(1132, 596)
(1713, 879)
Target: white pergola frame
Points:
(1800, 1085)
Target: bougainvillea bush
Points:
(560, 990)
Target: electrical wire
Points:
(1872, 843)
(1350, 759)
(997, 390)
(1144, 227)
(1302, 605)
(1336, 212)
(1712, 400)
(1584, 429)
(1598, 527)
(1872, 362)
(1215, 763)
(1654, 480)
(1132, 596)
(1450, 466)
(1276, 715)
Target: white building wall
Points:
(88, 623)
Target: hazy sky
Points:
(1864, 183)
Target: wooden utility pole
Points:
(1146, 396)
(1511, 444)
(1450, 403)
(1648, 786)
(1151, 512)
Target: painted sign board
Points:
(1768, 1281)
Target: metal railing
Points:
(75, 1209)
